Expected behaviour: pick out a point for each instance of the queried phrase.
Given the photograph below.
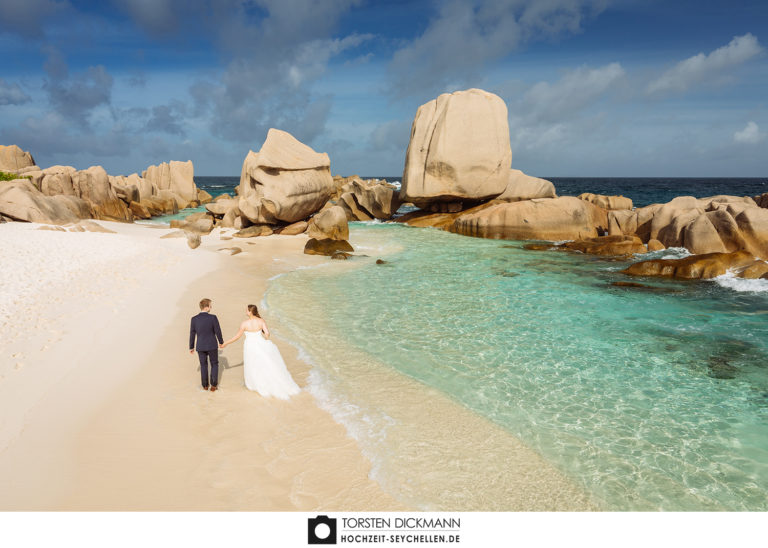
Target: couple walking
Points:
(263, 367)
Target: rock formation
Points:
(92, 185)
(21, 201)
(329, 224)
(178, 177)
(524, 187)
(92, 193)
(705, 266)
(12, 158)
(328, 232)
(607, 245)
(285, 182)
(607, 202)
(563, 218)
(364, 200)
(459, 150)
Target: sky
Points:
(594, 88)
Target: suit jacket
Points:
(206, 328)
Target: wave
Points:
(368, 427)
(741, 285)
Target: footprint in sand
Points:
(18, 355)
(19, 365)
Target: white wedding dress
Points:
(264, 368)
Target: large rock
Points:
(701, 225)
(285, 182)
(57, 180)
(607, 202)
(607, 245)
(459, 150)
(622, 222)
(12, 158)
(330, 224)
(352, 208)
(294, 229)
(563, 218)
(762, 200)
(379, 200)
(92, 185)
(198, 223)
(326, 247)
(203, 197)
(219, 208)
(21, 201)
(709, 265)
(178, 177)
(159, 205)
(525, 187)
(126, 191)
(712, 232)
(254, 231)
(139, 210)
(753, 226)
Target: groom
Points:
(206, 327)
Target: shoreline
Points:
(151, 439)
(426, 449)
(142, 435)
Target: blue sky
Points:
(593, 87)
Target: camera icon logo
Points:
(321, 530)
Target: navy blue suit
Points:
(205, 327)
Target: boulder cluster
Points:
(287, 188)
(62, 194)
(458, 173)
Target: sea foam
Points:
(730, 281)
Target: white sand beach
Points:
(102, 407)
(101, 403)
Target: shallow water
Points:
(653, 398)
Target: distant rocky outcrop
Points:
(459, 151)
(718, 224)
(92, 193)
(285, 182)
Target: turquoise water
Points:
(646, 398)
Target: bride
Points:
(264, 368)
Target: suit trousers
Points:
(205, 356)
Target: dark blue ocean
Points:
(642, 190)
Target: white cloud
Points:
(549, 114)
(467, 35)
(574, 91)
(703, 68)
(750, 135)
